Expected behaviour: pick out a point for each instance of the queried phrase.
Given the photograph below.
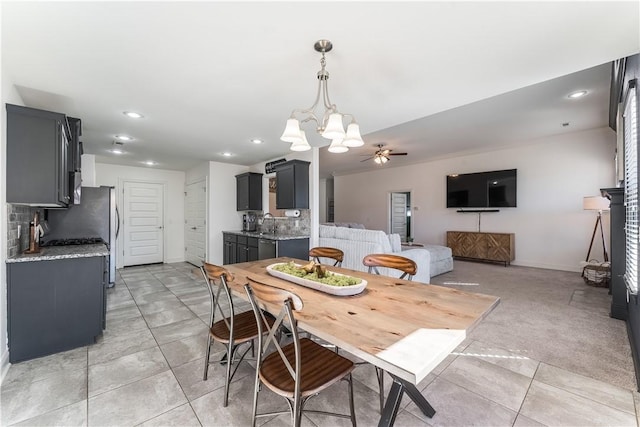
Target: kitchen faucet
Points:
(269, 215)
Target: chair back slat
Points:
(261, 296)
(326, 252)
(406, 265)
(215, 276)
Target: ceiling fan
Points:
(381, 156)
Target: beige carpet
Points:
(550, 316)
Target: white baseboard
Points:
(4, 365)
(172, 260)
(574, 268)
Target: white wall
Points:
(9, 95)
(113, 175)
(222, 206)
(322, 202)
(554, 174)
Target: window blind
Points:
(630, 123)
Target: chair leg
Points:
(230, 352)
(254, 410)
(380, 375)
(206, 359)
(351, 403)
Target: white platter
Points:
(333, 290)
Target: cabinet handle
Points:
(193, 228)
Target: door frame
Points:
(390, 207)
(165, 209)
(205, 182)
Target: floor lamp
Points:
(597, 203)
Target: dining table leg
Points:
(398, 388)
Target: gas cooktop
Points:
(77, 241)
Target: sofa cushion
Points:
(438, 253)
(327, 231)
(396, 243)
(356, 225)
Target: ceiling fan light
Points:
(338, 147)
(291, 131)
(384, 159)
(302, 144)
(334, 129)
(353, 138)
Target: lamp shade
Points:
(353, 138)
(338, 147)
(302, 144)
(595, 203)
(291, 131)
(334, 129)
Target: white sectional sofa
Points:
(357, 243)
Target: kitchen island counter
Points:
(49, 253)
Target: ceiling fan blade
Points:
(397, 154)
(368, 158)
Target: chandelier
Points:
(330, 124)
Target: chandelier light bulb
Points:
(292, 131)
(302, 145)
(353, 138)
(334, 128)
(338, 147)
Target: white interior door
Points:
(195, 223)
(143, 223)
(399, 215)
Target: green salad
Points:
(329, 278)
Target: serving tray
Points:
(333, 290)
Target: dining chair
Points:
(298, 370)
(405, 265)
(325, 252)
(232, 329)
(408, 268)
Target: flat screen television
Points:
(495, 189)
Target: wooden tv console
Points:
(498, 247)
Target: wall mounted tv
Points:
(495, 189)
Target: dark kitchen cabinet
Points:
(74, 160)
(293, 248)
(37, 157)
(292, 180)
(249, 191)
(247, 249)
(54, 305)
(229, 248)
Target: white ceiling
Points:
(210, 76)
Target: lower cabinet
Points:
(498, 247)
(247, 249)
(238, 248)
(54, 305)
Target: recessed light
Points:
(227, 154)
(257, 141)
(577, 94)
(124, 138)
(150, 163)
(132, 114)
(116, 151)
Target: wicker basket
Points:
(597, 274)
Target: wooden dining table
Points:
(405, 328)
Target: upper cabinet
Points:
(249, 191)
(292, 181)
(38, 156)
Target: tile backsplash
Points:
(22, 216)
(300, 226)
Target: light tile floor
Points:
(146, 370)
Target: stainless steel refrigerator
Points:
(95, 217)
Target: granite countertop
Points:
(63, 252)
(268, 236)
